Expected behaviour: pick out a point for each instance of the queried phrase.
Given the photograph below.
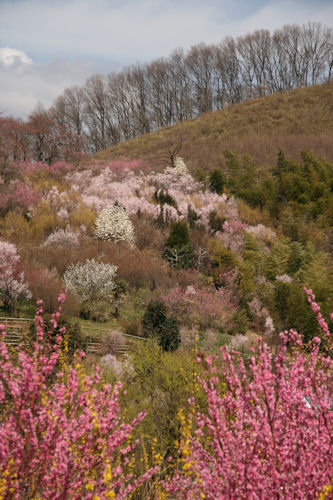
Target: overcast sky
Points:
(47, 45)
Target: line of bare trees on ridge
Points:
(144, 97)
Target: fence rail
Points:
(16, 327)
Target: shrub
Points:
(91, 280)
(154, 316)
(45, 285)
(156, 323)
(13, 287)
(268, 435)
(206, 307)
(168, 334)
(97, 310)
(76, 340)
(216, 181)
(61, 432)
(63, 238)
(113, 223)
(112, 341)
(178, 247)
(132, 327)
(82, 216)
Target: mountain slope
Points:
(295, 120)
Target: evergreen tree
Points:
(216, 181)
(178, 247)
(156, 323)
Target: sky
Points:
(48, 45)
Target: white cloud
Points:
(24, 83)
(9, 56)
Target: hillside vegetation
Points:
(294, 120)
(210, 245)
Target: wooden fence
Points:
(120, 344)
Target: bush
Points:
(90, 281)
(113, 223)
(155, 323)
(98, 310)
(168, 334)
(178, 247)
(77, 341)
(154, 317)
(62, 436)
(132, 327)
(261, 437)
(216, 181)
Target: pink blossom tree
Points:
(61, 432)
(269, 432)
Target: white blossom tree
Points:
(90, 281)
(180, 166)
(113, 223)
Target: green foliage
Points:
(76, 338)
(156, 323)
(299, 314)
(154, 316)
(277, 262)
(161, 384)
(192, 216)
(163, 197)
(216, 181)
(178, 247)
(98, 310)
(215, 222)
(221, 258)
(233, 168)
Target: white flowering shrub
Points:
(285, 278)
(269, 327)
(180, 166)
(113, 223)
(262, 318)
(13, 287)
(90, 281)
(239, 342)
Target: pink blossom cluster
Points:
(66, 238)
(121, 166)
(61, 432)
(268, 432)
(205, 305)
(316, 309)
(19, 195)
(57, 169)
(135, 192)
(234, 227)
(61, 202)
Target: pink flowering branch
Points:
(268, 433)
(61, 437)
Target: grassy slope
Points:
(295, 120)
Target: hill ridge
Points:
(293, 120)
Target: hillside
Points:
(165, 268)
(294, 120)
